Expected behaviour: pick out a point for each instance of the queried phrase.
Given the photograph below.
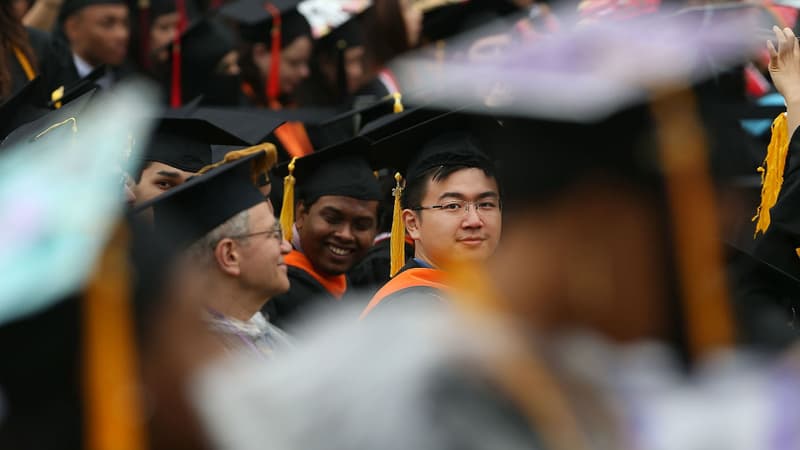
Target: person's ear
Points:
(412, 223)
(71, 25)
(227, 257)
(300, 216)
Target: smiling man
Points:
(337, 219)
(232, 252)
(451, 204)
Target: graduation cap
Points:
(250, 125)
(194, 64)
(25, 106)
(349, 124)
(274, 23)
(185, 143)
(52, 123)
(342, 170)
(70, 7)
(62, 95)
(195, 208)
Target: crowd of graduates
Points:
(428, 224)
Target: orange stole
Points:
(336, 285)
(416, 277)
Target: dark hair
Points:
(417, 188)
(250, 73)
(12, 36)
(385, 32)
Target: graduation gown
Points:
(777, 283)
(308, 290)
(414, 282)
(373, 271)
(50, 56)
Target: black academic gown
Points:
(306, 294)
(423, 288)
(776, 282)
(373, 271)
(49, 56)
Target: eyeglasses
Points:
(456, 207)
(275, 233)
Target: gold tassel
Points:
(260, 166)
(398, 235)
(287, 209)
(56, 97)
(772, 172)
(114, 414)
(25, 63)
(398, 103)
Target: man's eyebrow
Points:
(459, 196)
(167, 173)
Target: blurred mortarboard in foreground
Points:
(185, 143)
(65, 199)
(195, 208)
(341, 170)
(25, 106)
(583, 73)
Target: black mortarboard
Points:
(70, 7)
(255, 20)
(25, 106)
(195, 208)
(66, 94)
(350, 123)
(202, 46)
(427, 139)
(342, 170)
(250, 125)
(185, 143)
(52, 123)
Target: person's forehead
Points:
(345, 205)
(105, 10)
(154, 167)
(466, 181)
(261, 214)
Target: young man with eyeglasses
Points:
(451, 208)
(231, 252)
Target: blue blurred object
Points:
(757, 127)
(60, 195)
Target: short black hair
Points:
(416, 188)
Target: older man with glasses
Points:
(231, 252)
